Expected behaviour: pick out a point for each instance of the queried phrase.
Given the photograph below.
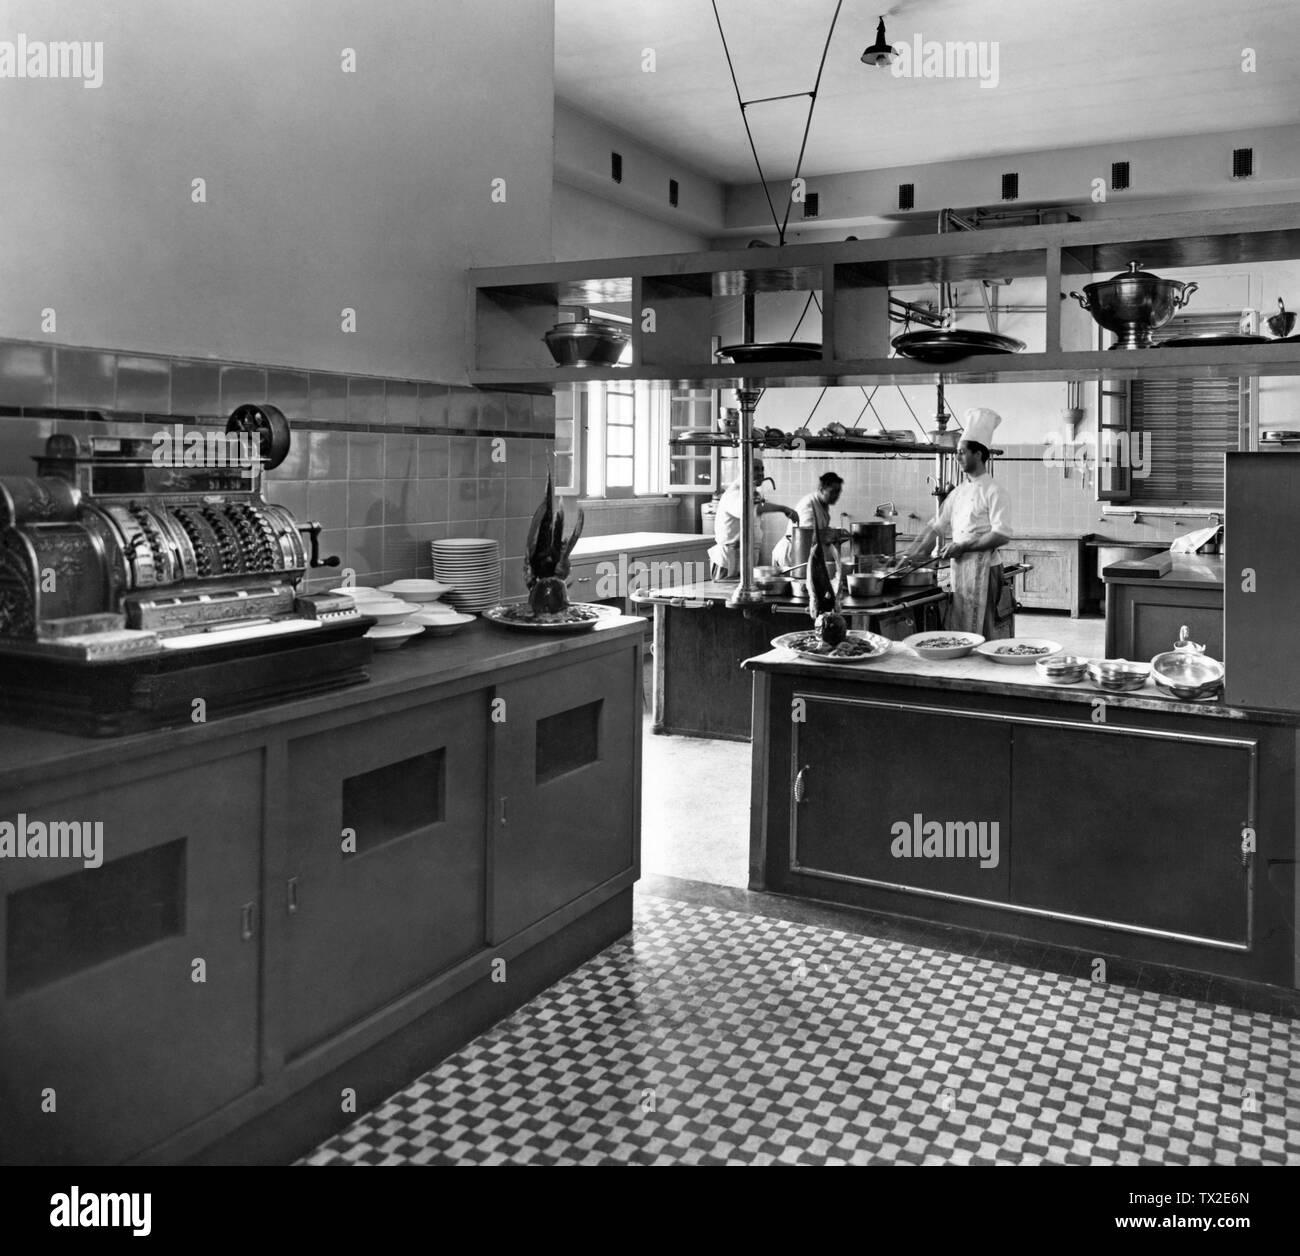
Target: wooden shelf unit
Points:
(511, 307)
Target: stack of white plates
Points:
(472, 566)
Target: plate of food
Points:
(1018, 651)
(576, 617)
(943, 645)
(857, 647)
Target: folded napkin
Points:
(1193, 541)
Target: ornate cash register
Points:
(147, 582)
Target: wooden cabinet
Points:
(1143, 830)
(566, 771)
(130, 996)
(319, 891)
(873, 824)
(385, 878)
(1056, 581)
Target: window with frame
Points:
(1162, 441)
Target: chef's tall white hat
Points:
(980, 424)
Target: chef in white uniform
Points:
(725, 554)
(975, 517)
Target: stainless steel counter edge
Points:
(942, 680)
(479, 649)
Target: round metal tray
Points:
(951, 346)
(1213, 338)
(779, 351)
(517, 615)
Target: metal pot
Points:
(1280, 324)
(862, 584)
(1133, 304)
(1186, 671)
(872, 538)
(586, 344)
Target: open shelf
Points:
(512, 307)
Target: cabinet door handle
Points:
(246, 921)
(800, 789)
(292, 894)
(503, 809)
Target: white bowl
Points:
(1043, 647)
(388, 611)
(416, 590)
(392, 636)
(359, 593)
(918, 642)
(439, 624)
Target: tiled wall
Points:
(385, 465)
(1043, 500)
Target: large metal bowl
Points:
(1118, 675)
(1133, 304)
(586, 344)
(1187, 675)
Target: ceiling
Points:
(1070, 73)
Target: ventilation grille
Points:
(811, 205)
(1243, 163)
(1119, 176)
(616, 167)
(1011, 186)
(906, 195)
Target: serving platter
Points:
(578, 617)
(998, 651)
(925, 644)
(773, 351)
(1213, 338)
(951, 346)
(799, 643)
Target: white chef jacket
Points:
(975, 507)
(726, 523)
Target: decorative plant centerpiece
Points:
(546, 569)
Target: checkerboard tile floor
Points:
(714, 1037)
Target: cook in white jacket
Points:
(976, 518)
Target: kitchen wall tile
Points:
(462, 409)
(327, 396)
(432, 404)
(401, 552)
(196, 389)
(144, 384)
(365, 455)
(492, 453)
(87, 379)
(496, 529)
(464, 527)
(491, 412)
(462, 503)
(403, 401)
(433, 457)
(239, 385)
(512, 580)
(399, 456)
(399, 502)
(519, 411)
(430, 501)
(21, 439)
(364, 551)
(491, 499)
(297, 462)
(291, 494)
(365, 400)
(289, 392)
(327, 503)
(26, 374)
(328, 455)
(523, 496)
(365, 503)
(464, 457)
